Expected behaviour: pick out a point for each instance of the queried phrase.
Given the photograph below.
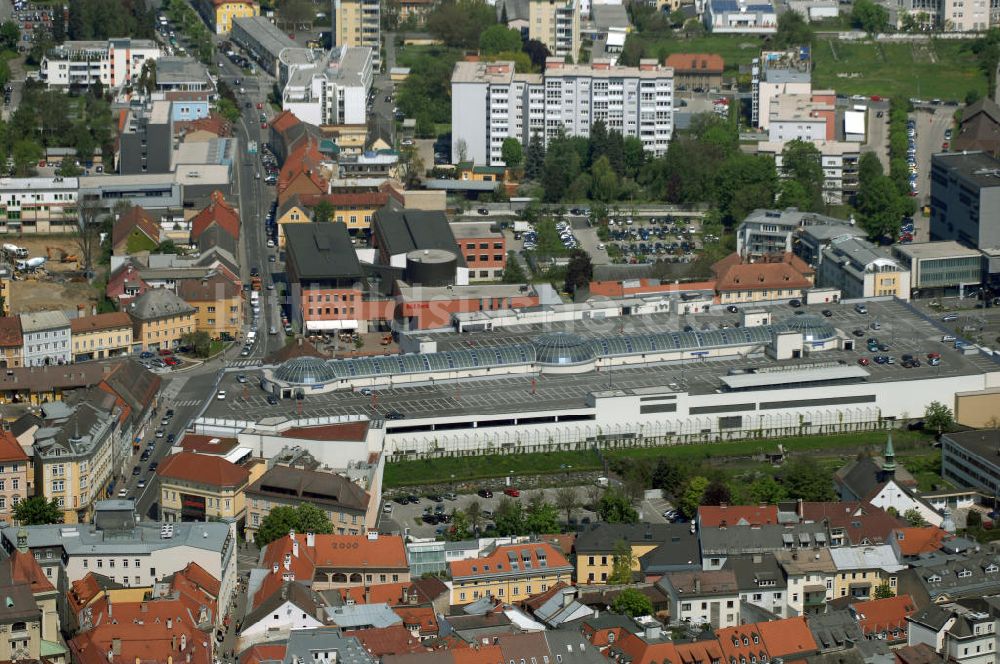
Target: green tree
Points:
(987, 51)
(615, 507)
(938, 417)
(622, 562)
(972, 96)
(509, 517)
(534, 158)
(869, 167)
(633, 603)
(10, 36)
(323, 211)
(37, 511)
(883, 591)
(802, 162)
(511, 152)
(513, 273)
(460, 526)
(766, 491)
(459, 23)
(168, 247)
(744, 183)
(692, 496)
(562, 166)
(793, 30)
(227, 109)
(541, 517)
(26, 153)
(604, 182)
(807, 480)
(880, 206)
(974, 519)
(198, 341)
(69, 169)
(579, 271)
(567, 500)
(669, 476)
(915, 518)
(792, 194)
(716, 493)
(870, 17)
(497, 39)
(537, 52)
(475, 513)
(306, 518)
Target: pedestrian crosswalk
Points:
(243, 362)
(187, 403)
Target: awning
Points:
(322, 325)
(860, 584)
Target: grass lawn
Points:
(406, 56)
(908, 444)
(941, 69)
(735, 50)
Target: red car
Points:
(260, 106)
(512, 492)
(263, 125)
(863, 361)
(166, 351)
(933, 356)
(170, 361)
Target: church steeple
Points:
(889, 466)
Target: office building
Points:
(490, 102)
(38, 205)
(46, 337)
(860, 271)
(182, 74)
(939, 268)
(332, 90)
(556, 23)
(160, 319)
(146, 142)
(358, 23)
(766, 232)
(777, 73)
(970, 459)
(740, 17)
(484, 247)
(113, 63)
(804, 117)
(965, 199)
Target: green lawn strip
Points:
(465, 469)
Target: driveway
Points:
(931, 125)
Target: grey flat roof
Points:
(984, 443)
(179, 70)
(81, 539)
(266, 34)
(978, 168)
(944, 249)
(810, 375)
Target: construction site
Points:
(57, 283)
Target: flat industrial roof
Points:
(945, 249)
(808, 375)
(977, 168)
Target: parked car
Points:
(485, 493)
(512, 492)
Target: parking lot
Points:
(644, 240)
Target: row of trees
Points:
(101, 19)
(883, 199)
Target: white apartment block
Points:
(113, 63)
(556, 23)
(333, 90)
(840, 166)
(803, 117)
(490, 102)
(38, 205)
(777, 73)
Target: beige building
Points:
(202, 487)
(783, 277)
(11, 342)
(160, 319)
(510, 573)
(859, 269)
(14, 473)
(556, 23)
(218, 304)
(358, 23)
(101, 336)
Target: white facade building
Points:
(46, 338)
(82, 63)
(808, 117)
(840, 166)
(777, 73)
(332, 90)
(38, 205)
(740, 17)
(490, 103)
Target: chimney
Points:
(653, 632)
(368, 594)
(173, 642)
(170, 623)
(295, 548)
(80, 309)
(567, 596)
(184, 640)
(310, 539)
(800, 508)
(697, 584)
(93, 310)
(274, 568)
(288, 561)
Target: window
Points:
(100, 563)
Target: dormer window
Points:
(756, 639)
(746, 641)
(964, 574)
(991, 568)
(736, 642)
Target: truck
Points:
(14, 251)
(255, 283)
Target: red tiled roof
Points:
(344, 431)
(695, 63)
(10, 449)
(386, 593)
(716, 516)
(306, 160)
(914, 541)
(344, 552)
(134, 217)
(394, 640)
(861, 522)
(10, 332)
(212, 288)
(218, 212)
(196, 442)
(498, 562)
(203, 469)
(882, 615)
(214, 124)
(284, 121)
(83, 591)
(421, 618)
(200, 578)
(787, 638)
(120, 279)
(263, 653)
(731, 640)
(99, 322)
(24, 568)
(731, 273)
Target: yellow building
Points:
(557, 25)
(358, 23)
(101, 336)
(200, 487)
(217, 302)
(469, 172)
(357, 210)
(292, 211)
(11, 342)
(784, 277)
(4, 295)
(511, 573)
(861, 570)
(597, 547)
(219, 14)
(160, 319)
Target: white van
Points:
(251, 336)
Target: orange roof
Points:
(203, 469)
(345, 431)
(914, 541)
(498, 562)
(10, 449)
(214, 124)
(134, 217)
(336, 552)
(695, 63)
(196, 442)
(10, 332)
(284, 121)
(717, 516)
(97, 322)
(421, 618)
(477, 655)
(788, 637)
(24, 568)
(386, 593)
(218, 212)
(880, 615)
(741, 641)
(200, 578)
(83, 591)
(305, 160)
(394, 640)
(646, 286)
(788, 271)
(263, 653)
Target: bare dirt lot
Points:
(55, 248)
(58, 285)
